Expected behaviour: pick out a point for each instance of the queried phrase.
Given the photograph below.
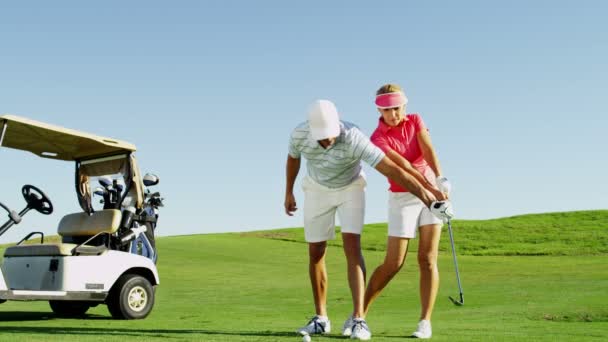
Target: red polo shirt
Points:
(403, 139)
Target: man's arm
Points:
(391, 170)
(291, 172)
(407, 167)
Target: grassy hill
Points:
(254, 287)
(566, 233)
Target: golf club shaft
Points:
(454, 256)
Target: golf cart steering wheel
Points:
(36, 199)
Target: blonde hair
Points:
(389, 88)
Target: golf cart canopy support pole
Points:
(2, 131)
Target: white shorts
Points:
(406, 213)
(321, 204)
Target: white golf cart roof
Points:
(49, 141)
(94, 155)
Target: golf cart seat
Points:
(73, 225)
(82, 224)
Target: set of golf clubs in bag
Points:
(139, 239)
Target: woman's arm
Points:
(428, 152)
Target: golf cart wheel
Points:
(67, 308)
(132, 297)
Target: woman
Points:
(406, 141)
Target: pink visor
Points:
(391, 100)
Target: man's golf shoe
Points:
(347, 328)
(317, 325)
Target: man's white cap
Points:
(323, 120)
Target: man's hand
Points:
(290, 204)
(441, 196)
(392, 171)
(442, 209)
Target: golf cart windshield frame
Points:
(124, 164)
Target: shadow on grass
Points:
(113, 332)
(21, 316)
(154, 333)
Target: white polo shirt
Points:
(340, 164)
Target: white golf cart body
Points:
(67, 277)
(73, 271)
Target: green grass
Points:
(254, 287)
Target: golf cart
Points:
(106, 256)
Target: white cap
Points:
(323, 120)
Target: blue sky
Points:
(513, 93)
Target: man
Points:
(335, 183)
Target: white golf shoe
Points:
(347, 328)
(423, 330)
(360, 330)
(317, 325)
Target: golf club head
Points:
(99, 191)
(105, 182)
(151, 179)
(459, 303)
(155, 200)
